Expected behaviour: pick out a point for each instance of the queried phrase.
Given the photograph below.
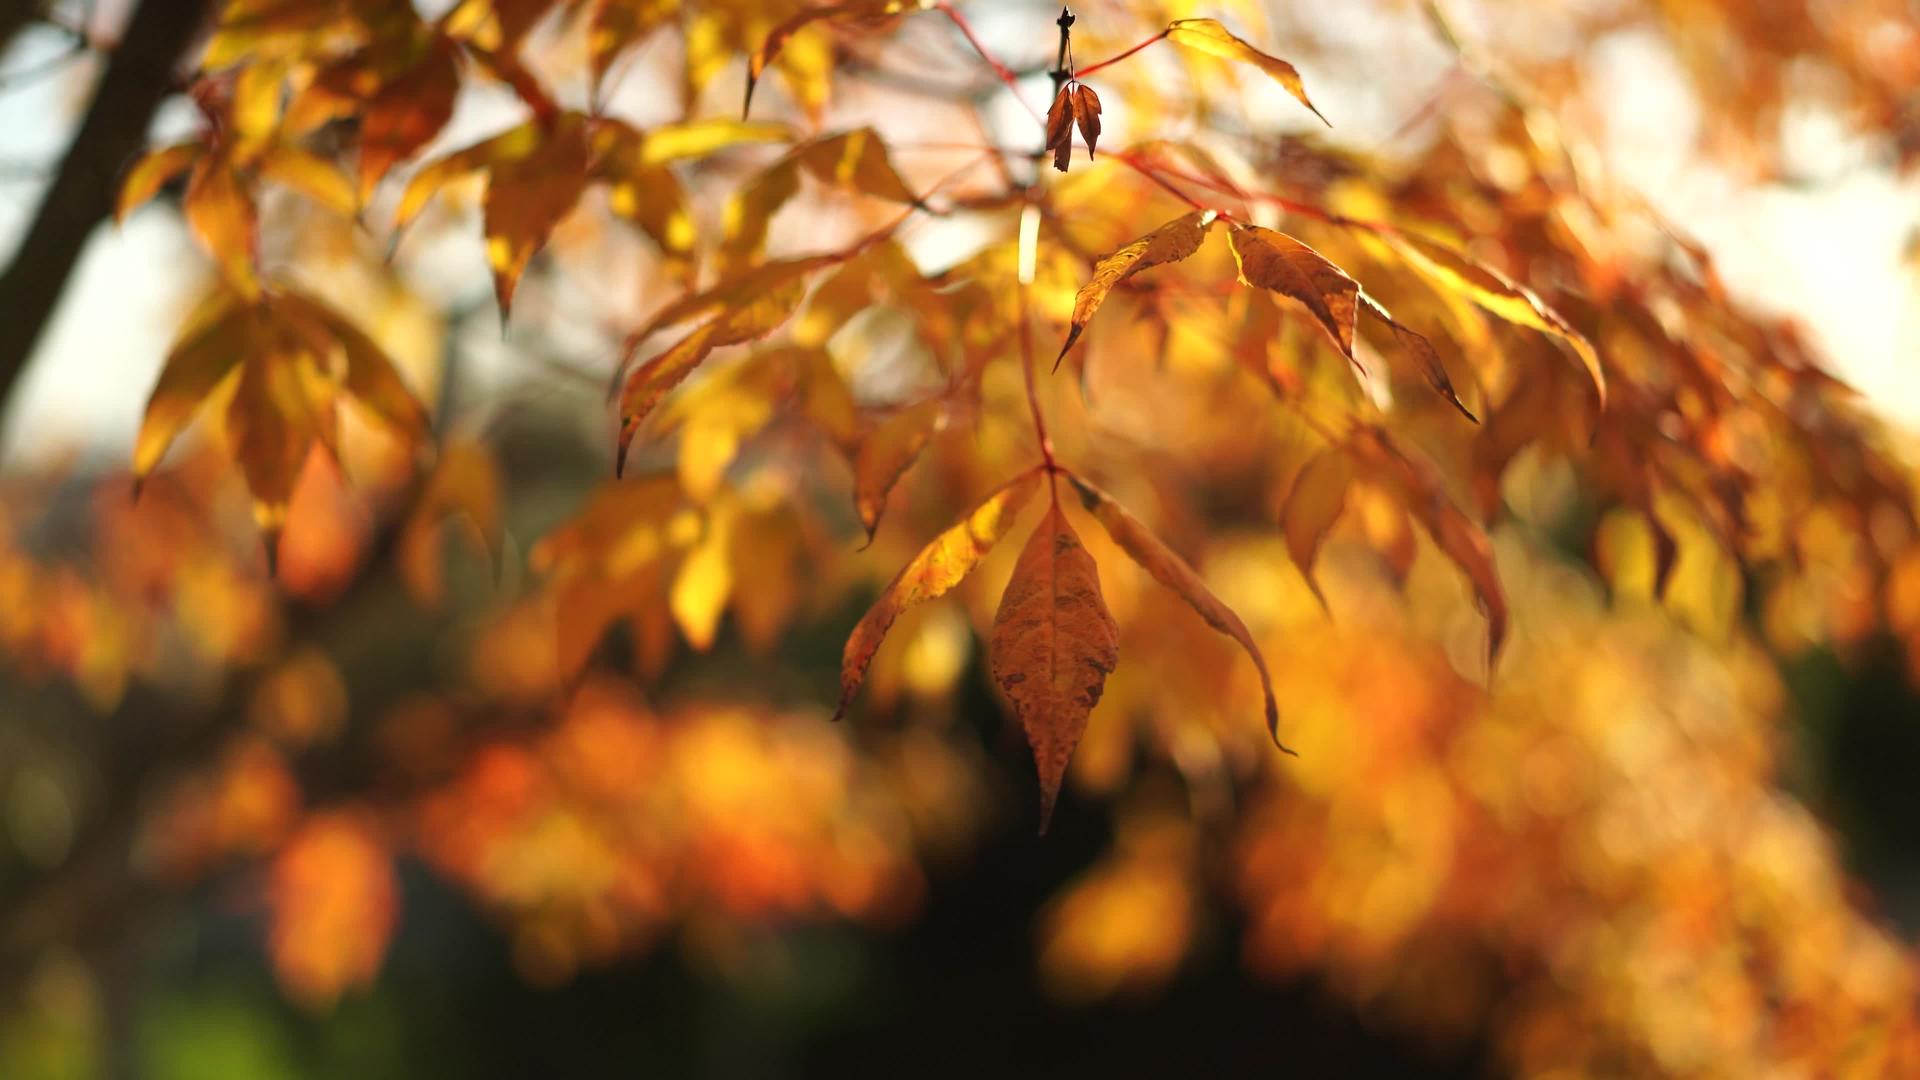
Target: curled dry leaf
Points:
(938, 567)
(1313, 506)
(1176, 240)
(1170, 570)
(1422, 351)
(1424, 494)
(1054, 643)
(1496, 293)
(886, 453)
(1276, 261)
(1086, 114)
(1208, 36)
(1060, 128)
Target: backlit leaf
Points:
(1170, 570)
(1059, 137)
(777, 39)
(1086, 115)
(1172, 242)
(1053, 646)
(1276, 261)
(1498, 294)
(1318, 497)
(151, 173)
(932, 573)
(1208, 36)
(887, 452)
(223, 218)
(406, 113)
(1423, 353)
(527, 197)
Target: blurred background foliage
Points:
(500, 768)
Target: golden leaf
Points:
(933, 572)
(857, 9)
(1169, 569)
(204, 357)
(1053, 646)
(1423, 353)
(151, 173)
(1208, 36)
(1276, 261)
(1425, 496)
(527, 196)
(311, 175)
(1176, 240)
(407, 112)
(1497, 294)
(886, 453)
(1313, 506)
(221, 213)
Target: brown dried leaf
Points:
(1276, 261)
(1086, 114)
(1060, 128)
(1423, 353)
(1053, 646)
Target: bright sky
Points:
(1830, 255)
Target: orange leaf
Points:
(1172, 242)
(1169, 569)
(1276, 261)
(1423, 353)
(858, 9)
(1086, 114)
(151, 173)
(886, 453)
(1313, 506)
(1463, 542)
(406, 113)
(204, 356)
(527, 197)
(1053, 646)
(938, 567)
(223, 218)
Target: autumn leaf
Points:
(652, 380)
(1172, 242)
(526, 198)
(1424, 493)
(775, 41)
(1170, 570)
(151, 173)
(1313, 506)
(1496, 293)
(1053, 646)
(334, 900)
(465, 487)
(932, 573)
(857, 160)
(407, 112)
(1059, 140)
(1208, 36)
(887, 452)
(222, 215)
(1086, 114)
(1276, 261)
(206, 354)
(1422, 352)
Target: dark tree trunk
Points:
(139, 75)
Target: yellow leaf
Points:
(932, 573)
(311, 175)
(1276, 261)
(1169, 569)
(203, 358)
(701, 138)
(1497, 294)
(1053, 646)
(888, 452)
(151, 173)
(273, 422)
(1313, 506)
(1172, 242)
(513, 143)
(1208, 36)
(705, 580)
(223, 218)
(370, 378)
(652, 380)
